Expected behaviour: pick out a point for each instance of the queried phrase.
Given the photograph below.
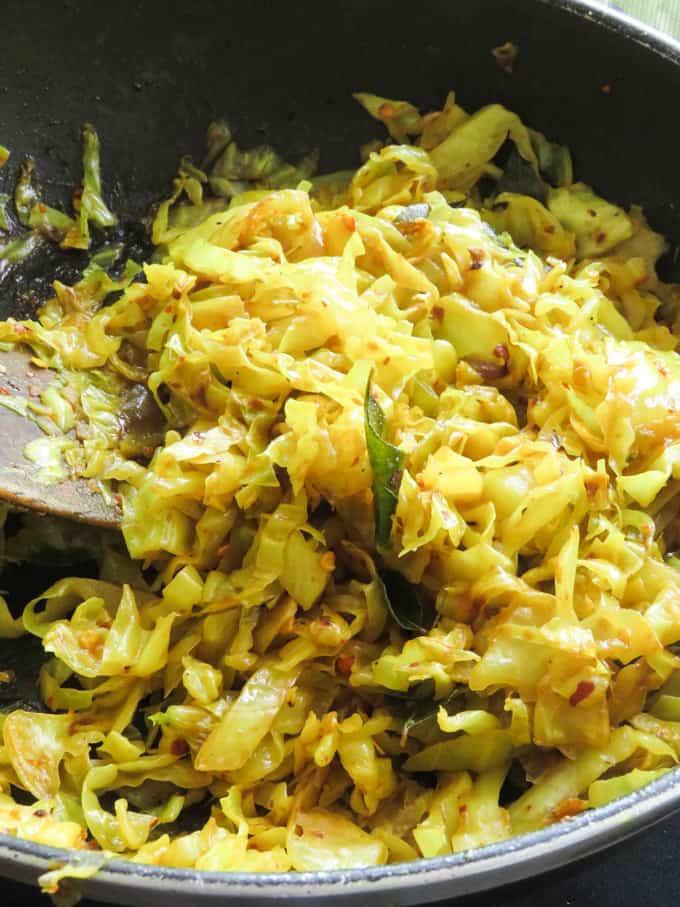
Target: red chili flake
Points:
(593, 484)
(5, 392)
(606, 88)
(176, 293)
(349, 222)
(343, 665)
(355, 461)
(488, 370)
(256, 404)
(386, 110)
(582, 691)
(462, 809)
(438, 312)
(600, 237)
(40, 813)
(477, 256)
(501, 352)
(179, 747)
(549, 229)
(592, 212)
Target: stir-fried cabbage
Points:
(398, 454)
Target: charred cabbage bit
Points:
(398, 456)
(14, 251)
(387, 462)
(401, 118)
(25, 193)
(44, 225)
(32, 212)
(88, 202)
(505, 56)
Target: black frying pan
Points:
(151, 75)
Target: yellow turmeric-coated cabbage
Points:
(398, 452)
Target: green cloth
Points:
(663, 15)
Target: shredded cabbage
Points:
(398, 455)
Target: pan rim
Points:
(476, 870)
(613, 19)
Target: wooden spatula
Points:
(20, 483)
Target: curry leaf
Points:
(403, 601)
(421, 691)
(554, 161)
(520, 176)
(387, 463)
(423, 717)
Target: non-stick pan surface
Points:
(151, 75)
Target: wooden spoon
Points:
(20, 484)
